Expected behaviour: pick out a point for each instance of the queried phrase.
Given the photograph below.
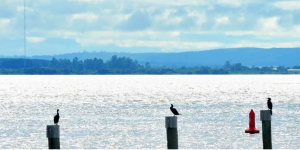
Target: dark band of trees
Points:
(123, 65)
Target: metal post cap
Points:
(53, 131)
(265, 115)
(171, 122)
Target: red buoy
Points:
(251, 128)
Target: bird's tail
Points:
(271, 111)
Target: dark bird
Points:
(270, 105)
(56, 117)
(174, 111)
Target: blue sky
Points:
(67, 26)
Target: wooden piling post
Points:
(53, 136)
(265, 117)
(172, 134)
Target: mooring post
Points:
(53, 136)
(265, 117)
(172, 135)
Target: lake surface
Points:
(128, 111)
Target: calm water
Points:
(109, 112)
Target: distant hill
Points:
(212, 58)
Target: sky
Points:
(139, 26)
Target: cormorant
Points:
(174, 111)
(270, 105)
(56, 117)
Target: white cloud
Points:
(113, 35)
(133, 39)
(171, 40)
(239, 33)
(287, 5)
(106, 11)
(201, 17)
(287, 44)
(241, 18)
(175, 2)
(35, 39)
(153, 2)
(166, 15)
(174, 44)
(177, 45)
(269, 23)
(153, 44)
(175, 33)
(231, 3)
(59, 34)
(171, 23)
(4, 23)
(293, 32)
(83, 41)
(222, 20)
(297, 28)
(266, 45)
(87, 1)
(84, 16)
(21, 8)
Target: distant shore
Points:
(127, 66)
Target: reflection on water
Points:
(128, 111)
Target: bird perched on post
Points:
(56, 117)
(270, 105)
(174, 111)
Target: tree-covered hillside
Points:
(123, 65)
(212, 58)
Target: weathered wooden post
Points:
(172, 135)
(53, 136)
(265, 117)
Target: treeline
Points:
(123, 65)
(18, 63)
(116, 65)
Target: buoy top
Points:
(252, 119)
(251, 112)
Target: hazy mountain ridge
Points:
(217, 57)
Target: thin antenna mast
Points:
(24, 35)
